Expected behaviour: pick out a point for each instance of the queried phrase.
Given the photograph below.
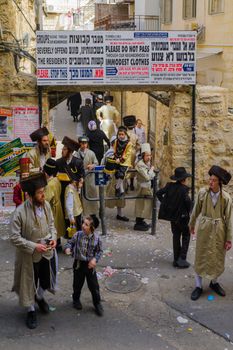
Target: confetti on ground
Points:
(182, 320)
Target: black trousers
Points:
(81, 271)
(181, 238)
(42, 272)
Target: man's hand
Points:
(228, 245)
(53, 244)
(92, 263)
(72, 222)
(41, 248)
(118, 161)
(90, 166)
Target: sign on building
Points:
(116, 58)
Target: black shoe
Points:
(196, 293)
(99, 309)
(77, 305)
(140, 227)
(43, 305)
(217, 289)
(31, 320)
(174, 264)
(182, 263)
(122, 218)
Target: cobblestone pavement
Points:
(158, 315)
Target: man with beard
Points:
(34, 236)
(41, 152)
(68, 165)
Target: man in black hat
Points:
(34, 236)
(175, 207)
(41, 152)
(73, 103)
(130, 123)
(109, 117)
(53, 196)
(214, 231)
(69, 164)
(86, 114)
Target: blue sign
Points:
(111, 71)
(188, 67)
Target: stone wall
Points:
(18, 86)
(214, 141)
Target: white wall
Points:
(147, 7)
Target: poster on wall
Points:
(6, 124)
(116, 58)
(26, 120)
(7, 184)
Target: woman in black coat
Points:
(96, 140)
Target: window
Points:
(166, 11)
(189, 9)
(216, 6)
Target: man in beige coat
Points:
(34, 236)
(214, 231)
(145, 173)
(41, 152)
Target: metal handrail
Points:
(102, 200)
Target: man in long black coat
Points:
(96, 140)
(175, 207)
(73, 103)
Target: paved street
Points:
(157, 315)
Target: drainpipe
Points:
(193, 139)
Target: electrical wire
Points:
(24, 16)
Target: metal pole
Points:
(102, 210)
(39, 26)
(154, 204)
(193, 139)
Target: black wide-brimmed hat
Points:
(50, 167)
(221, 173)
(70, 143)
(73, 174)
(108, 98)
(33, 183)
(38, 134)
(129, 121)
(180, 174)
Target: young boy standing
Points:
(86, 248)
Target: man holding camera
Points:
(34, 236)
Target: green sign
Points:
(7, 149)
(10, 165)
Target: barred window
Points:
(166, 11)
(216, 6)
(189, 9)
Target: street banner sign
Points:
(116, 58)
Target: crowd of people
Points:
(51, 205)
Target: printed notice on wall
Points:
(26, 120)
(6, 124)
(116, 58)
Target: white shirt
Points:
(214, 197)
(140, 132)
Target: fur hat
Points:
(50, 167)
(87, 101)
(129, 121)
(33, 182)
(38, 134)
(71, 144)
(221, 173)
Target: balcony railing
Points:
(141, 23)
